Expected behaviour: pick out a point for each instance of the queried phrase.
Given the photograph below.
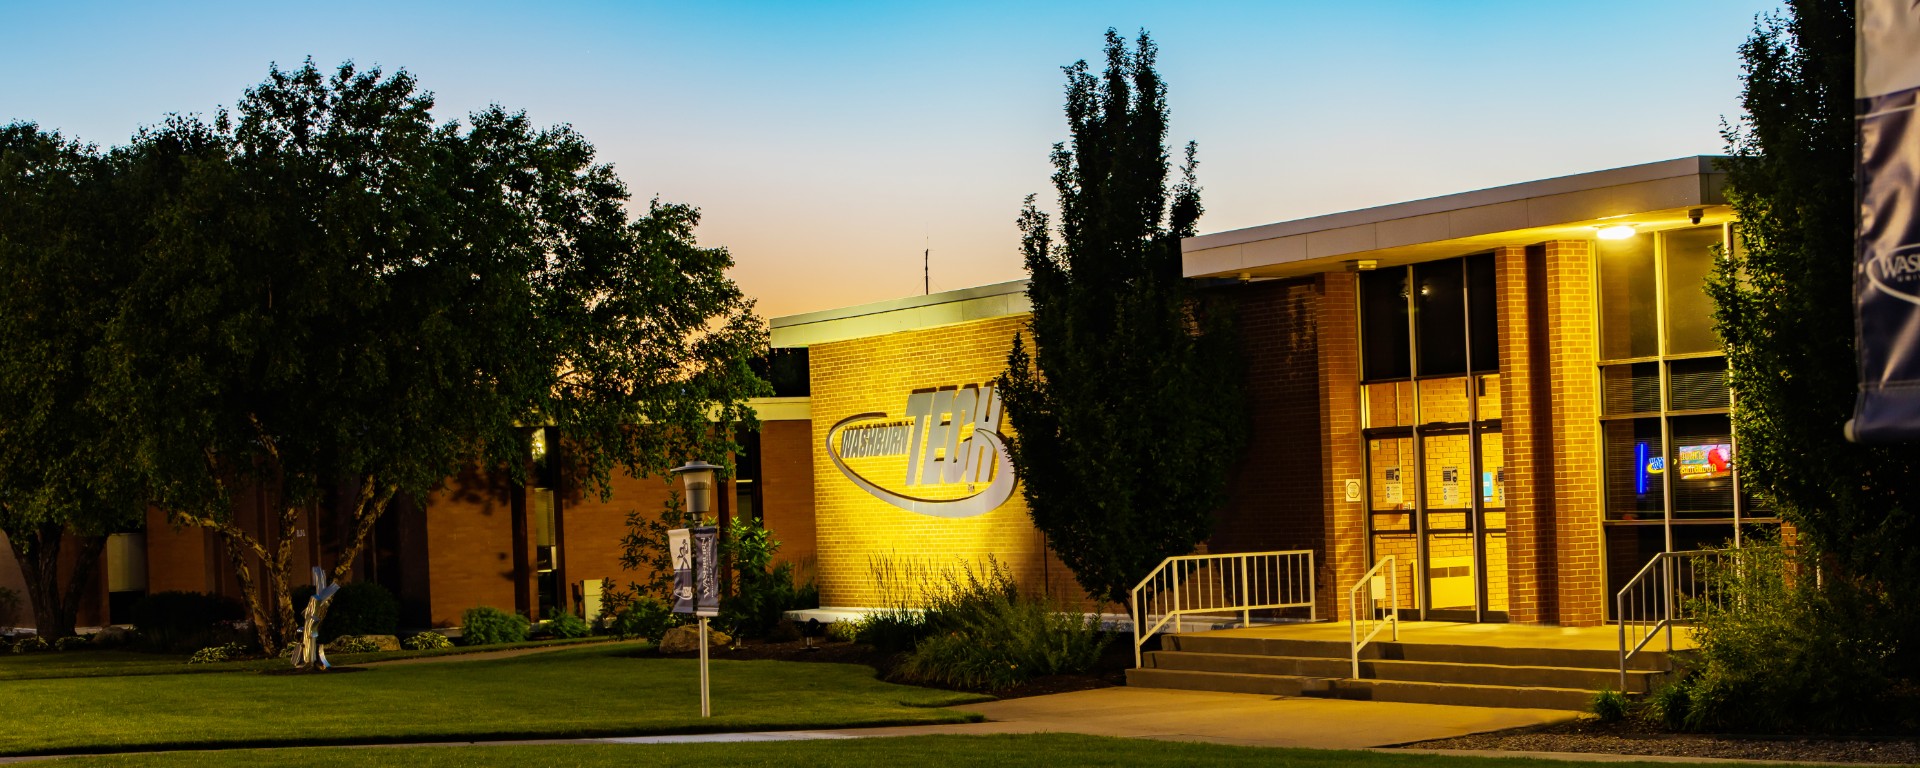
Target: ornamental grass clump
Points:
(984, 634)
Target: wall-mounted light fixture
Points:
(1616, 232)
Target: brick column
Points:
(1572, 343)
(1525, 415)
(1338, 334)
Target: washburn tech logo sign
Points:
(950, 436)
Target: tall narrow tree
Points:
(1129, 397)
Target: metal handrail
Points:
(1667, 591)
(1239, 581)
(1354, 604)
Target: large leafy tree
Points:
(62, 482)
(1785, 299)
(342, 302)
(1130, 393)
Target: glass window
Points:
(1702, 463)
(1697, 383)
(1629, 317)
(1689, 260)
(1635, 468)
(1390, 404)
(1483, 326)
(1631, 388)
(1383, 325)
(1440, 316)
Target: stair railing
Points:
(1360, 602)
(1670, 589)
(1241, 581)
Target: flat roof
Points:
(1651, 196)
(909, 314)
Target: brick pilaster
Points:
(1572, 343)
(1345, 553)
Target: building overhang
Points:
(909, 314)
(1651, 197)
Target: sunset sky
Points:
(829, 143)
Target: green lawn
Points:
(593, 691)
(1052, 750)
(92, 663)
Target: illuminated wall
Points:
(856, 532)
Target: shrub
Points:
(489, 626)
(353, 644)
(984, 634)
(70, 643)
(31, 644)
(1781, 652)
(1669, 704)
(1610, 705)
(644, 616)
(843, 630)
(763, 599)
(892, 630)
(176, 621)
(218, 653)
(359, 608)
(426, 641)
(567, 625)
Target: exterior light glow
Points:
(1616, 232)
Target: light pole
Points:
(698, 478)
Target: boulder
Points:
(686, 639)
(380, 642)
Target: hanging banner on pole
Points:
(680, 548)
(706, 566)
(1886, 283)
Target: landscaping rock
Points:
(685, 639)
(381, 642)
(112, 637)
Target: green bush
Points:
(218, 653)
(1780, 651)
(1609, 705)
(426, 641)
(177, 621)
(763, 592)
(70, 643)
(359, 608)
(490, 626)
(1669, 705)
(31, 644)
(843, 630)
(644, 616)
(983, 634)
(566, 625)
(353, 644)
(892, 630)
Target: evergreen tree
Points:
(1128, 404)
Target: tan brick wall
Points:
(1525, 411)
(1572, 337)
(854, 529)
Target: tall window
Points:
(1671, 482)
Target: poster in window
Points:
(1705, 462)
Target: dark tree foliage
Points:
(1128, 402)
(62, 482)
(340, 302)
(1785, 309)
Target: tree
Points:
(61, 480)
(342, 303)
(1131, 392)
(1783, 307)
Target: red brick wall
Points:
(786, 490)
(11, 578)
(469, 523)
(1525, 417)
(1574, 388)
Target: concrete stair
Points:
(1426, 673)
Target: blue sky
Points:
(828, 143)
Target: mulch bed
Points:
(1111, 672)
(1635, 737)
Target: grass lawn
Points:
(1053, 750)
(598, 690)
(92, 663)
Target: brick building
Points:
(1515, 391)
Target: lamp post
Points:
(698, 478)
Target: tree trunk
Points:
(55, 610)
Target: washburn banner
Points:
(1886, 284)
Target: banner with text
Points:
(1887, 235)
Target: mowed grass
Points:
(1052, 750)
(593, 691)
(92, 663)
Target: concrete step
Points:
(1409, 671)
(1229, 643)
(1363, 690)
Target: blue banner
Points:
(1887, 239)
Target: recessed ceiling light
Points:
(1616, 232)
